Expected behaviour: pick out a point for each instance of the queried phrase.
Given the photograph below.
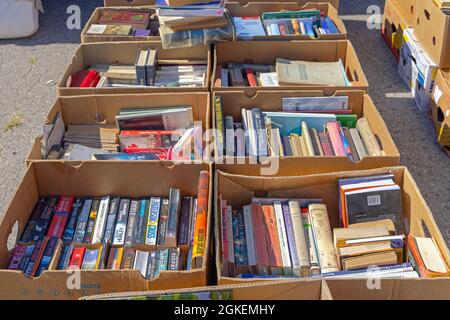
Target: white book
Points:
(100, 222)
(374, 239)
(282, 236)
(314, 103)
(300, 238)
(359, 144)
(152, 221)
(248, 223)
(311, 244)
(96, 29)
(253, 142)
(141, 262)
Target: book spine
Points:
(132, 219)
(273, 243)
(162, 222)
(240, 247)
(326, 145)
(17, 256)
(163, 259)
(100, 224)
(224, 230)
(77, 258)
(59, 219)
(260, 132)
(291, 239)
(259, 236)
(141, 76)
(331, 26)
(35, 259)
(299, 238)
(90, 259)
(174, 215)
(283, 29)
(174, 259)
(192, 220)
(47, 257)
(115, 259)
(121, 225)
(285, 257)
(229, 136)
(141, 262)
(219, 125)
(369, 139)
(27, 256)
(82, 221)
(71, 225)
(249, 234)
(346, 145)
(152, 262)
(311, 242)
(27, 235)
(140, 232)
(253, 82)
(44, 220)
(183, 230)
(112, 218)
(274, 29)
(323, 235)
(153, 219)
(91, 222)
(201, 223)
(296, 26)
(230, 238)
(128, 258)
(64, 259)
(334, 132)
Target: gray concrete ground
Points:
(28, 67)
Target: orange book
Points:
(262, 256)
(273, 243)
(418, 262)
(201, 222)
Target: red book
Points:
(334, 132)
(201, 221)
(137, 19)
(162, 153)
(251, 77)
(77, 257)
(91, 80)
(271, 231)
(262, 256)
(326, 144)
(60, 217)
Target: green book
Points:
(347, 120)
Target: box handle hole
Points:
(13, 236)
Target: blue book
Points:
(308, 22)
(288, 123)
(324, 25)
(403, 267)
(261, 136)
(274, 29)
(331, 25)
(248, 27)
(206, 5)
(69, 231)
(346, 144)
(240, 245)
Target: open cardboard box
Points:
(250, 9)
(135, 179)
(432, 29)
(311, 289)
(103, 109)
(126, 53)
(359, 102)
(440, 108)
(238, 191)
(267, 52)
(123, 3)
(85, 38)
(396, 18)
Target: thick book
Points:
(141, 262)
(82, 221)
(426, 257)
(122, 221)
(183, 230)
(296, 269)
(141, 60)
(137, 19)
(249, 236)
(174, 217)
(273, 243)
(132, 219)
(59, 219)
(240, 246)
(359, 144)
(311, 73)
(91, 222)
(140, 231)
(341, 235)
(369, 139)
(76, 260)
(301, 247)
(324, 238)
(282, 236)
(71, 224)
(90, 260)
(372, 259)
(44, 220)
(111, 221)
(153, 221)
(102, 218)
(259, 238)
(201, 223)
(162, 222)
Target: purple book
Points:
(183, 229)
(142, 33)
(291, 238)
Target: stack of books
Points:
(148, 234)
(164, 133)
(283, 73)
(148, 71)
(307, 127)
(285, 23)
(192, 22)
(121, 22)
(294, 237)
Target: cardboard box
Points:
(432, 28)
(85, 38)
(125, 53)
(267, 52)
(308, 289)
(390, 289)
(135, 179)
(440, 108)
(238, 191)
(397, 17)
(114, 3)
(359, 102)
(104, 108)
(250, 9)
(417, 70)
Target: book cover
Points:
(43, 222)
(141, 262)
(334, 134)
(77, 258)
(140, 230)
(289, 123)
(17, 256)
(349, 138)
(128, 258)
(230, 238)
(369, 139)
(272, 239)
(27, 235)
(248, 27)
(240, 246)
(59, 219)
(173, 218)
(153, 219)
(137, 19)
(64, 258)
(88, 236)
(111, 221)
(115, 258)
(163, 260)
(224, 234)
(102, 216)
(82, 221)
(90, 259)
(358, 143)
(299, 238)
(307, 104)
(69, 231)
(296, 268)
(122, 221)
(259, 238)
(152, 262)
(183, 230)
(174, 259)
(326, 145)
(141, 60)
(310, 242)
(162, 222)
(132, 219)
(249, 235)
(201, 222)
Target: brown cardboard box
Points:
(359, 102)
(238, 191)
(135, 179)
(398, 15)
(440, 108)
(125, 53)
(104, 108)
(115, 3)
(85, 38)
(250, 9)
(307, 289)
(432, 29)
(267, 52)
(390, 289)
